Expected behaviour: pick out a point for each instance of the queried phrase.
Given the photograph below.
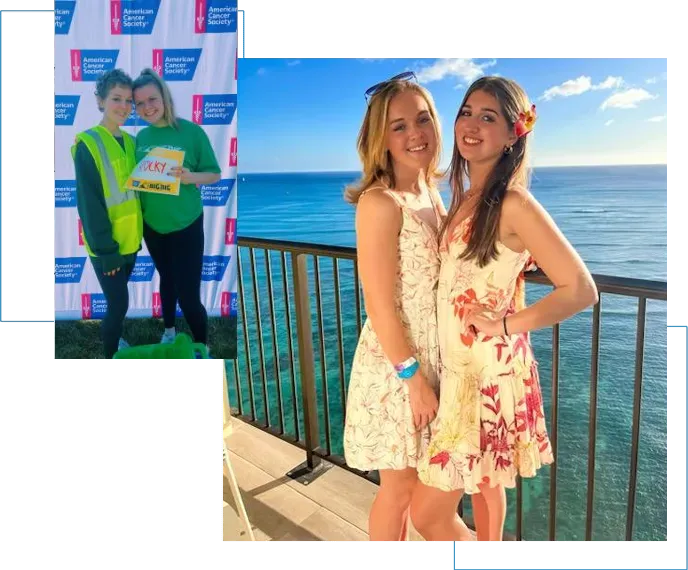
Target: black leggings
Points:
(178, 257)
(117, 296)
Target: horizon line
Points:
(534, 168)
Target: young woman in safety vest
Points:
(173, 225)
(104, 157)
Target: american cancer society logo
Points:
(156, 307)
(230, 231)
(65, 109)
(65, 193)
(133, 120)
(214, 109)
(214, 267)
(88, 64)
(176, 64)
(93, 306)
(143, 269)
(133, 17)
(233, 152)
(64, 12)
(228, 305)
(233, 304)
(215, 16)
(217, 194)
(69, 269)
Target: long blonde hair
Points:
(509, 171)
(150, 77)
(372, 149)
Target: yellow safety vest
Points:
(115, 165)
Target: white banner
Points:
(192, 44)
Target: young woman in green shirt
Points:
(173, 225)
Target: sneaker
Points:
(167, 338)
(122, 344)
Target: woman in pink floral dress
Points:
(490, 425)
(392, 391)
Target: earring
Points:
(508, 149)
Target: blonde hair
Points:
(150, 77)
(375, 158)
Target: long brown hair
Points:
(510, 170)
(372, 149)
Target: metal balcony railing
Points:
(300, 266)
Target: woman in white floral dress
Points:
(490, 426)
(398, 213)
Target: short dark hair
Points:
(111, 79)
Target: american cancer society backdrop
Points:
(192, 44)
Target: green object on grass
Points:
(182, 347)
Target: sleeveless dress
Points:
(490, 425)
(379, 431)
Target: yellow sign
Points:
(152, 174)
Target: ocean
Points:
(615, 217)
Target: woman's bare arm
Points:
(378, 223)
(574, 288)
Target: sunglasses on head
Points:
(405, 76)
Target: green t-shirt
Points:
(166, 214)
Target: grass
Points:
(81, 339)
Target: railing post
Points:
(226, 411)
(306, 356)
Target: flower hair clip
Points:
(525, 123)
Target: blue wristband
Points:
(409, 371)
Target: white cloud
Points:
(571, 87)
(261, 71)
(293, 63)
(579, 86)
(610, 83)
(465, 69)
(657, 119)
(609, 122)
(628, 99)
(656, 79)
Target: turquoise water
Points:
(614, 216)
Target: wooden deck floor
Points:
(333, 507)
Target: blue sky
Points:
(302, 115)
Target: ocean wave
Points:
(613, 262)
(588, 211)
(617, 246)
(633, 313)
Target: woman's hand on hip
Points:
(477, 319)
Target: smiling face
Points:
(149, 104)
(410, 138)
(481, 131)
(116, 106)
